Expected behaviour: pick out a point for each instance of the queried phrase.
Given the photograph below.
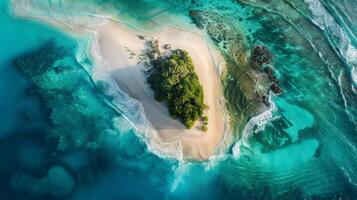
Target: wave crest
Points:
(255, 125)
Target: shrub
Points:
(189, 123)
(204, 128)
(205, 107)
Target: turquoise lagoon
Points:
(63, 137)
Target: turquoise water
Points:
(61, 137)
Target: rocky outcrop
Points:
(275, 88)
(261, 55)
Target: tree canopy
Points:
(174, 80)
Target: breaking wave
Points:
(337, 34)
(256, 124)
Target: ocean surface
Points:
(66, 135)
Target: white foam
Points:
(134, 112)
(341, 92)
(255, 125)
(351, 55)
(326, 22)
(180, 172)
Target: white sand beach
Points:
(116, 44)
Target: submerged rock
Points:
(318, 151)
(276, 89)
(266, 100)
(261, 55)
(196, 18)
(141, 37)
(167, 46)
(270, 72)
(57, 182)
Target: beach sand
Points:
(116, 53)
(117, 44)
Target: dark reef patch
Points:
(69, 92)
(82, 146)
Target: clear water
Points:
(62, 138)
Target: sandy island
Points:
(120, 47)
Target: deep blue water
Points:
(60, 139)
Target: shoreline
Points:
(113, 42)
(117, 44)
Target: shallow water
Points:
(63, 137)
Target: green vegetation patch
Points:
(174, 80)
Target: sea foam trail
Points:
(336, 34)
(255, 125)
